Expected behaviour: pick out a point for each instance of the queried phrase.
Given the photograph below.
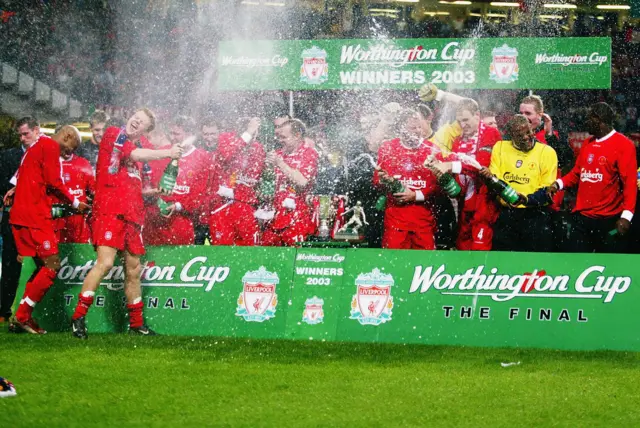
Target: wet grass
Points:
(121, 381)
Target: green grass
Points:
(121, 381)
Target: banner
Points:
(485, 63)
(576, 301)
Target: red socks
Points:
(85, 300)
(34, 292)
(135, 314)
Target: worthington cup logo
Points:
(567, 60)
(258, 299)
(309, 257)
(590, 284)
(196, 272)
(372, 303)
(314, 69)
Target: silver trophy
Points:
(325, 215)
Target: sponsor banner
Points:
(216, 291)
(578, 301)
(487, 63)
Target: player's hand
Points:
(272, 158)
(442, 167)
(176, 151)
(622, 226)
(170, 210)
(405, 197)
(548, 124)
(82, 207)
(522, 200)
(486, 173)
(151, 192)
(253, 126)
(383, 176)
(8, 197)
(638, 184)
(552, 190)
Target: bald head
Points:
(69, 139)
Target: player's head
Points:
(180, 128)
(519, 129)
(210, 130)
(291, 134)
(489, 119)
(28, 129)
(600, 119)
(280, 117)
(426, 117)
(409, 127)
(69, 139)
(142, 121)
(97, 125)
(468, 116)
(532, 108)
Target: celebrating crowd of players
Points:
(230, 191)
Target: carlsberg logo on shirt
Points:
(591, 177)
(483, 281)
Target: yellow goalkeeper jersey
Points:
(526, 172)
(446, 134)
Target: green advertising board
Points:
(485, 63)
(576, 301)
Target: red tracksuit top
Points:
(39, 172)
(605, 173)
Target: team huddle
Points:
(235, 193)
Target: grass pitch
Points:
(121, 381)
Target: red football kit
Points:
(293, 218)
(38, 175)
(189, 195)
(479, 211)
(118, 208)
(411, 225)
(30, 218)
(239, 165)
(77, 175)
(605, 173)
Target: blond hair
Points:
(535, 101)
(152, 118)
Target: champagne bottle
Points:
(62, 210)
(449, 184)
(506, 192)
(393, 186)
(167, 183)
(268, 183)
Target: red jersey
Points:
(77, 175)
(406, 164)
(305, 160)
(479, 148)
(605, 173)
(190, 192)
(39, 172)
(239, 166)
(118, 194)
